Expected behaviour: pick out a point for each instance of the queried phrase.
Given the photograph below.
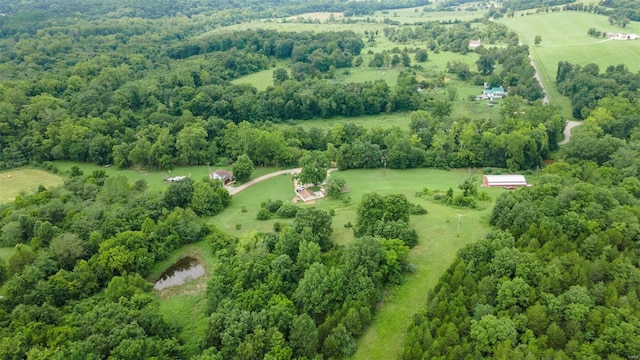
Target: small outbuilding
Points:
(504, 180)
(224, 176)
(176, 179)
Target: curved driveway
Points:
(234, 190)
(567, 131)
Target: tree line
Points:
(585, 85)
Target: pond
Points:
(178, 273)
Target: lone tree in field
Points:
(242, 168)
(537, 40)
(335, 184)
(314, 167)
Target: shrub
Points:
(332, 212)
(238, 226)
(484, 196)
(287, 211)
(466, 201)
(417, 209)
(272, 206)
(263, 214)
(277, 226)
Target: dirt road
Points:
(545, 99)
(567, 131)
(234, 190)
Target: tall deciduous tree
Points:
(335, 185)
(242, 168)
(191, 144)
(179, 193)
(318, 221)
(314, 167)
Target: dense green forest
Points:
(560, 279)
(149, 85)
(121, 97)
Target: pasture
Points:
(16, 181)
(564, 38)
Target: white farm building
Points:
(504, 180)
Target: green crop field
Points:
(564, 38)
(16, 181)
(416, 15)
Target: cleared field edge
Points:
(27, 180)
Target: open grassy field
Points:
(13, 182)
(6, 252)
(384, 121)
(278, 188)
(439, 243)
(184, 305)
(156, 179)
(564, 38)
(416, 15)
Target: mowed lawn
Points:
(245, 205)
(564, 38)
(16, 181)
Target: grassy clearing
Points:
(156, 179)
(416, 15)
(564, 38)
(384, 121)
(277, 188)
(432, 256)
(16, 181)
(184, 305)
(6, 252)
(260, 80)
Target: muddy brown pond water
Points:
(178, 273)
